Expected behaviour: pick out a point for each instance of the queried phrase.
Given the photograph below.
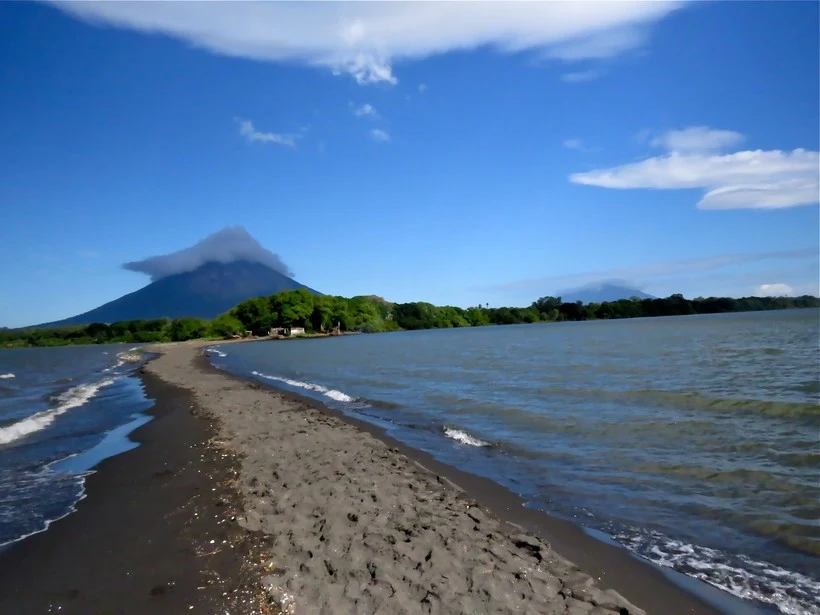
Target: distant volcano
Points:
(205, 292)
(602, 291)
(203, 280)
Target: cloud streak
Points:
(252, 135)
(750, 179)
(364, 39)
(230, 244)
(697, 139)
(638, 275)
(578, 145)
(580, 76)
(380, 136)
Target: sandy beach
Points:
(243, 499)
(355, 523)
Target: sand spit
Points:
(354, 526)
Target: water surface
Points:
(62, 410)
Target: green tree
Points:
(226, 325)
(293, 307)
(477, 317)
(187, 328)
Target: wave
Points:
(462, 437)
(793, 593)
(217, 352)
(7, 376)
(309, 386)
(72, 398)
(132, 355)
(695, 401)
(47, 475)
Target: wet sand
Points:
(357, 523)
(153, 536)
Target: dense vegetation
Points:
(322, 313)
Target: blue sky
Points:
(451, 152)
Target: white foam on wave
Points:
(81, 495)
(791, 592)
(72, 398)
(462, 437)
(132, 355)
(217, 352)
(7, 376)
(309, 386)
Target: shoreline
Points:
(89, 562)
(612, 565)
(144, 539)
(608, 566)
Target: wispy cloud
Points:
(252, 135)
(578, 145)
(639, 275)
(750, 179)
(364, 39)
(366, 110)
(613, 42)
(422, 88)
(580, 76)
(697, 139)
(380, 136)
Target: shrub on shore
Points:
(371, 314)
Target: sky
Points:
(452, 152)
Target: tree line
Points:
(371, 314)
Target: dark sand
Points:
(148, 539)
(318, 514)
(358, 523)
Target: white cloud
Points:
(750, 179)
(580, 76)
(578, 145)
(364, 39)
(573, 144)
(366, 110)
(380, 136)
(422, 88)
(774, 290)
(247, 130)
(697, 139)
(605, 45)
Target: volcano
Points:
(206, 292)
(602, 291)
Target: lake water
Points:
(62, 410)
(692, 441)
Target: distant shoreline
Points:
(326, 316)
